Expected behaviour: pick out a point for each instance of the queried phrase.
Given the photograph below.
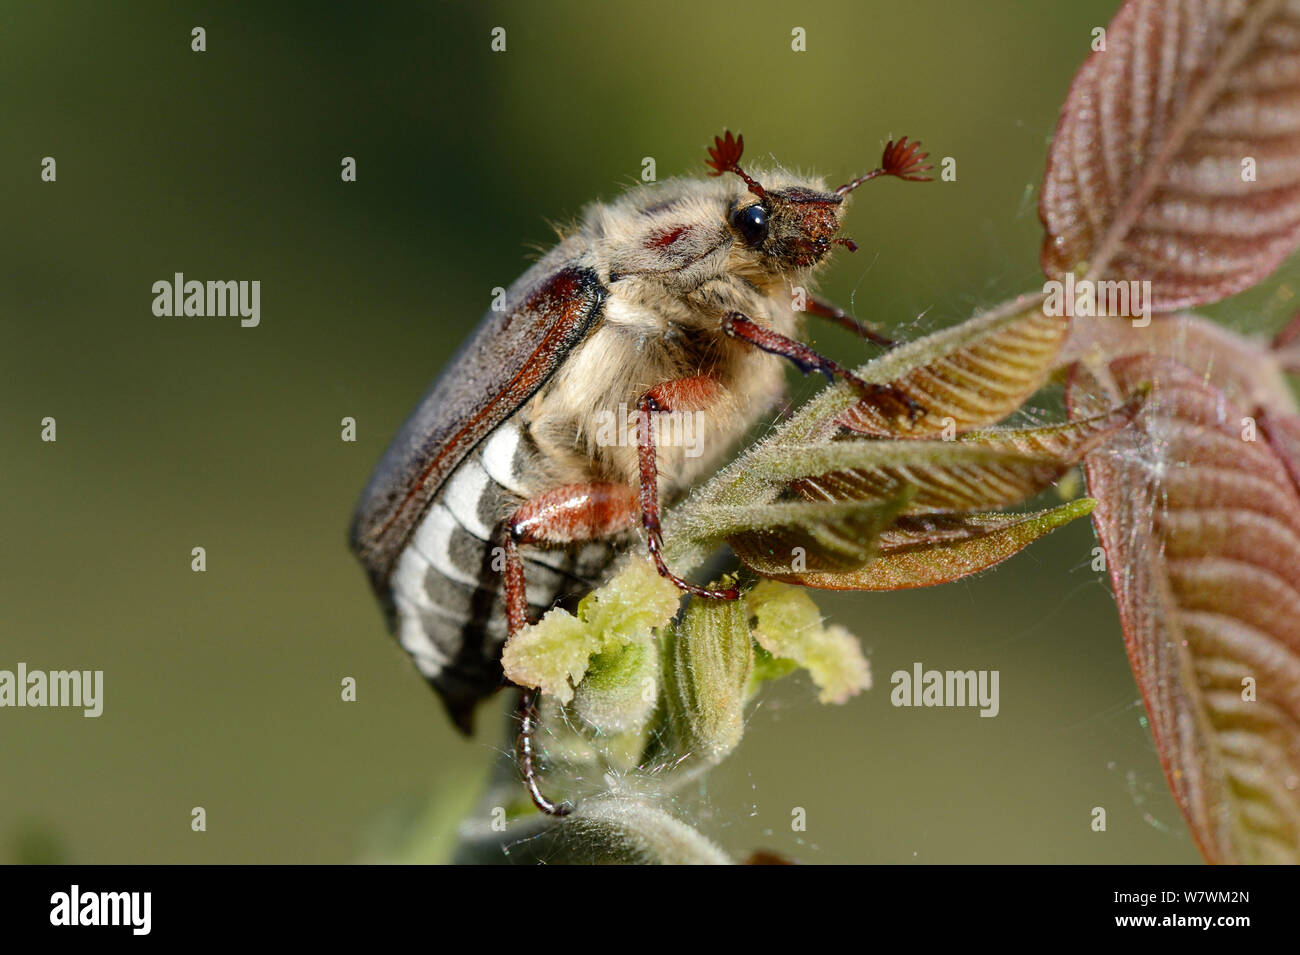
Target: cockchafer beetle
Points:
(498, 495)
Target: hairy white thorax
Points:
(673, 272)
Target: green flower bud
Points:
(712, 657)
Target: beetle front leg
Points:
(835, 314)
(739, 325)
(682, 394)
(568, 514)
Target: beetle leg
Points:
(837, 315)
(526, 753)
(680, 394)
(567, 514)
(738, 325)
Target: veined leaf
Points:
(1201, 528)
(1248, 372)
(1177, 156)
(1286, 346)
(774, 538)
(965, 377)
(947, 476)
(922, 552)
(1283, 432)
(977, 471)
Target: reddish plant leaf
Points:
(1248, 372)
(1201, 529)
(1149, 175)
(1286, 346)
(1283, 433)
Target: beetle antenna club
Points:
(901, 159)
(724, 156)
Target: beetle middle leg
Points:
(739, 325)
(681, 394)
(564, 515)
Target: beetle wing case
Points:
(510, 355)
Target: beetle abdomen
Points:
(447, 586)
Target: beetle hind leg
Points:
(527, 755)
(567, 514)
(526, 752)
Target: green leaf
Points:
(803, 535)
(922, 552)
(977, 471)
(768, 668)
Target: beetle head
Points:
(794, 227)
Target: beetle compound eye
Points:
(751, 223)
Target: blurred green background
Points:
(222, 688)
